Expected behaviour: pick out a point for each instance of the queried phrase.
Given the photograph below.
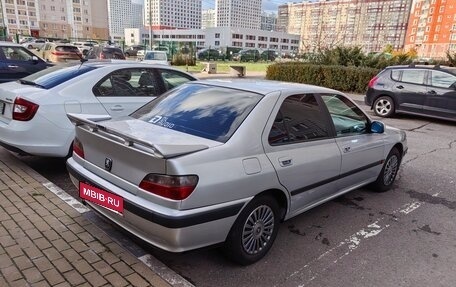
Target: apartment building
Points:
(372, 24)
(208, 18)
(172, 14)
(122, 14)
(56, 19)
(432, 28)
(238, 13)
(268, 21)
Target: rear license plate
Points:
(101, 197)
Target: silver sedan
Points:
(225, 162)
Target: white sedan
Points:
(33, 109)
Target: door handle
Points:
(285, 161)
(432, 92)
(400, 87)
(13, 66)
(117, 108)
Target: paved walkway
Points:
(46, 242)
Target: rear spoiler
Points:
(160, 151)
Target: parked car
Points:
(33, 110)
(133, 50)
(208, 54)
(83, 47)
(17, 62)
(225, 162)
(247, 55)
(155, 57)
(105, 52)
(414, 89)
(26, 39)
(35, 44)
(269, 55)
(58, 52)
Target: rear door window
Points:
(300, 118)
(413, 76)
(128, 83)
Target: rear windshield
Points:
(210, 112)
(56, 75)
(66, 49)
(155, 56)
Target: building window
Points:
(217, 35)
(217, 43)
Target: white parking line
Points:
(71, 201)
(322, 263)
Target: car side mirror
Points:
(377, 127)
(35, 59)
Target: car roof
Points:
(449, 69)
(265, 87)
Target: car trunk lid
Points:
(130, 149)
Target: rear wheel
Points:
(127, 55)
(388, 173)
(254, 231)
(384, 106)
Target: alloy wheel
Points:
(390, 171)
(258, 229)
(383, 107)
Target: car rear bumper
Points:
(39, 138)
(166, 228)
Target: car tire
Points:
(127, 55)
(29, 47)
(388, 173)
(254, 231)
(384, 107)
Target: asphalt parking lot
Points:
(404, 237)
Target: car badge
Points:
(108, 164)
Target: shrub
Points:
(182, 60)
(349, 79)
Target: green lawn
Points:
(224, 67)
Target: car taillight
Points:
(58, 53)
(169, 186)
(372, 82)
(24, 110)
(78, 148)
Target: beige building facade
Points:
(75, 19)
(371, 24)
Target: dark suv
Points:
(422, 90)
(99, 52)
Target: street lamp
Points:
(150, 24)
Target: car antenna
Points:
(412, 64)
(437, 66)
(82, 59)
